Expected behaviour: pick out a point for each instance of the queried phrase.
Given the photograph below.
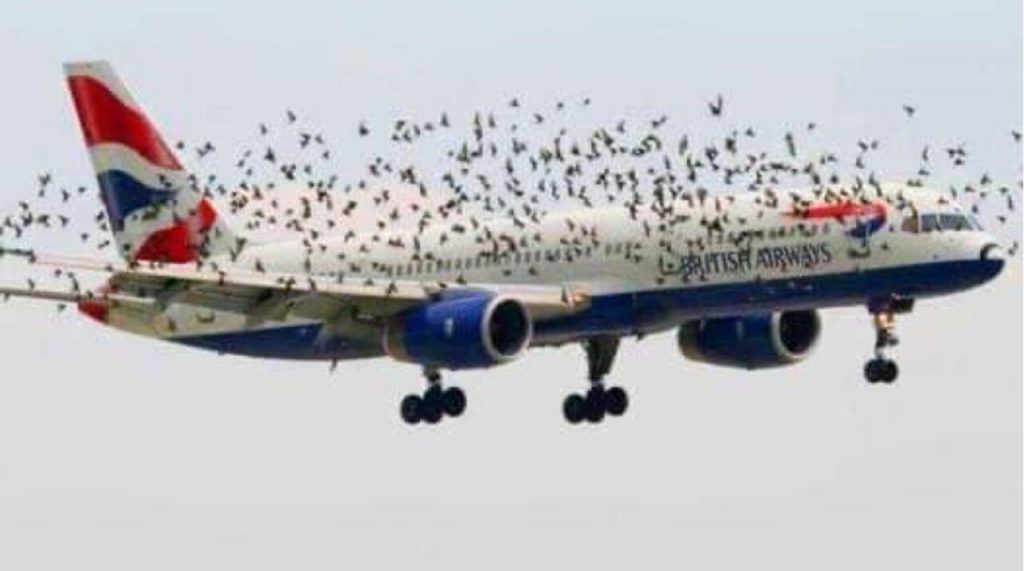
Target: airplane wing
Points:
(270, 296)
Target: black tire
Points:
(433, 392)
(411, 406)
(453, 401)
(889, 371)
(872, 371)
(574, 408)
(616, 401)
(430, 407)
(594, 408)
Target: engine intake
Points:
(751, 342)
(463, 331)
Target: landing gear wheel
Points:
(435, 403)
(453, 401)
(411, 409)
(594, 405)
(598, 401)
(881, 370)
(430, 406)
(616, 401)
(574, 408)
(871, 371)
(890, 371)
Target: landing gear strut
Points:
(882, 369)
(434, 403)
(598, 400)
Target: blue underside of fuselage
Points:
(644, 311)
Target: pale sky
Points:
(119, 452)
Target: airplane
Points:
(741, 277)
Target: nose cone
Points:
(991, 261)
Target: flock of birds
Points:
(513, 163)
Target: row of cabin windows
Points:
(470, 263)
(781, 232)
(569, 255)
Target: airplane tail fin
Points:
(156, 212)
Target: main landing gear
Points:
(598, 400)
(434, 403)
(882, 369)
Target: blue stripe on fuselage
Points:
(629, 313)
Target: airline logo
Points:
(143, 186)
(867, 218)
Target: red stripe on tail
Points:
(180, 243)
(106, 119)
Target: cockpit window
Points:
(951, 222)
(954, 222)
(929, 222)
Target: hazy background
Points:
(118, 452)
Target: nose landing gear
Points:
(882, 369)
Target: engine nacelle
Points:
(751, 342)
(462, 331)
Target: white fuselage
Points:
(647, 271)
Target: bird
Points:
(716, 106)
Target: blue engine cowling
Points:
(751, 342)
(463, 331)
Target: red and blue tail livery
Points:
(155, 211)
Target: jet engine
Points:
(753, 341)
(462, 331)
